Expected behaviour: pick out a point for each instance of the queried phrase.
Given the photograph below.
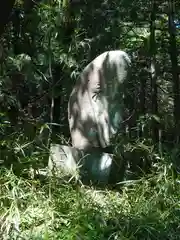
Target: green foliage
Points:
(41, 55)
(143, 209)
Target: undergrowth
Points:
(147, 208)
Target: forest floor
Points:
(49, 209)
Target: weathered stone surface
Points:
(93, 166)
(95, 109)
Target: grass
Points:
(145, 209)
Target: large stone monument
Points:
(95, 113)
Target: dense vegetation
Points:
(43, 47)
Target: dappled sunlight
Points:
(96, 100)
(140, 209)
(89, 120)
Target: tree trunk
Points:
(6, 9)
(152, 53)
(175, 74)
(142, 100)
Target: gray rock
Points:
(68, 161)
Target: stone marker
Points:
(96, 106)
(95, 113)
